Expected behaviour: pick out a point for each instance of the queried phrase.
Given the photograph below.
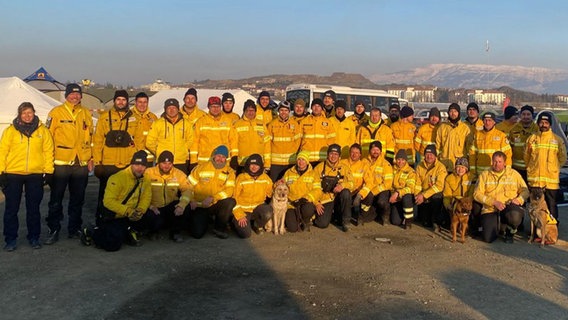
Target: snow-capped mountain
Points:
(537, 80)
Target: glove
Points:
(99, 171)
(234, 163)
(48, 179)
(3, 180)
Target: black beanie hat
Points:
(377, 144)
(544, 116)
(434, 112)
(472, 105)
(227, 96)
(254, 158)
(249, 104)
(510, 111)
(527, 107)
(72, 87)
(166, 156)
(264, 94)
(340, 104)
(394, 106)
(317, 101)
(430, 148)
(171, 102)
(454, 106)
(192, 92)
(401, 154)
(140, 157)
(406, 111)
(334, 148)
(330, 93)
(489, 115)
(120, 93)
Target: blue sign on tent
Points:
(40, 74)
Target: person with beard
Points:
(228, 102)
(190, 111)
(329, 103)
(485, 143)
(473, 122)
(404, 132)
(431, 173)
(285, 136)
(405, 186)
(345, 132)
(502, 192)
(451, 138)
(301, 181)
(71, 126)
(300, 110)
(26, 163)
(252, 135)
(334, 195)
(358, 168)
(170, 197)
(376, 130)
(213, 129)
(426, 134)
(377, 183)
(359, 117)
(394, 114)
(172, 132)
(253, 188)
(545, 154)
(263, 110)
(318, 132)
(518, 137)
(212, 185)
(511, 118)
(113, 145)
(144, 119)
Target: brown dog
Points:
(279, 205)
(461, 210)
(540, 216)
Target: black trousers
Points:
(277, 171)
(103, 175)
(403, 209)
(32, 184)
(76, 178)
(259, 216)
(339, 210)
(199, 218)
(300, 215)
(430, 211)
(111, 234)
(511, 217)
(551, 197)
(153, 223)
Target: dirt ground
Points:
(322, 274)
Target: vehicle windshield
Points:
(297, 94)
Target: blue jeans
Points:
(33, 184)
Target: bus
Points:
(371, 97)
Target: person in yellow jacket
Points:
(510, 120)
(451, 138)
(26, 161)
(377, 184)
(518, 137)
(404, 132)
(211, 130)
(473, 122)
(126, 199)
(485, 143)
(328, 99)
(213, 184)
(228, 103)
(252, 189)
(502, 192)
(301, 181)
(285, 136)
(460, 184)
(345, 131)
(545, 155)
(431, 173)
(405, 186)
(334, 195)
(71, 126)
(358, 168)
(376, 130)
(426, 134)
(300, 110)
(394, 114)
(252, 136)
(318, 132)
(263, 110)
(359, 117)
(141, 120)
(170, 197)
(190, 110)
(172, 132)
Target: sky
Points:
(136, 42)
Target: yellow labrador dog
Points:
(279, 205)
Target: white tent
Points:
(158, 99)
(14, 91)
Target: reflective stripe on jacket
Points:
(503, 187)
(72, 130)
(545, 154)
(20, 154)
(166, 187)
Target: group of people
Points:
(188, 167)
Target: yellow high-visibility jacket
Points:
(431, 177)
(451, 143)
(503, 187)
(250, 193)
(233, 116)
(405, 181)
(345, 134)
(20, 154)
(193, 116)
(174, 136)
(285, 138)
(340, 170)
(518, 137)
(485, 143)
(119, 186)
(456, 187)
(263, 115)
(358, 170)
(378, 178)
(252, 137)
(72, 130)
(208, 181)
(167, 187)
(426, 135)
(318, 132)
(301, 186)
(358, 122)
(369, 132)
(208, 134)
(299, 119)
(545, 154)
(404, 133)
(505, 126)
(141, 126)
(102, 154)
(473, 127)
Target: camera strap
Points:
(110, 121)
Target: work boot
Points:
(408, 223)
(52, 238)
(220, 234)
(87, 236)
(133, 239)
(508, 236)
